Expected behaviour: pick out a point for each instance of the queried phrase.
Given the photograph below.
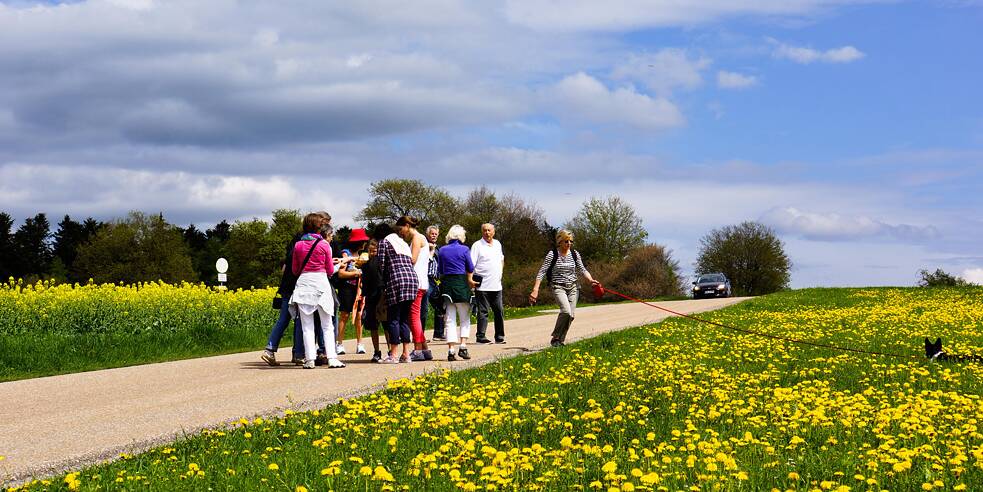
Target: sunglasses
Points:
(567, 241)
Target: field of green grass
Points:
(678, 405)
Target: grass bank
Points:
(676, 405)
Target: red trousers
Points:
(416, 325)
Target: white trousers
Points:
(458, 322)
(310, 342)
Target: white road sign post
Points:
(222, 266)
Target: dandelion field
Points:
(677, 405)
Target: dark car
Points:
(711, 285)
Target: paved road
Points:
(51, 424)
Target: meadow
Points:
(48, 329)
(678, 405)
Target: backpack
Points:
(556, 256)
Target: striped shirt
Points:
(565, 270)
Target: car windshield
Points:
(711, 278)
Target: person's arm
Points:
(416, 247)
(534, 295)
(328, 264)
(297, 259)
(583, 270)
(381, 255)
(469, 269)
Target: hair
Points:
(314, 221)
(407, 220)
(326, 215)
(327, 230)
(489, 224)
(380, 231)
(433, 228)
(455, 232)
(563, 234)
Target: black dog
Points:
(934, 353)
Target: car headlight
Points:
(696, 288)
(721, 287)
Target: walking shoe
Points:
(270, 357)
(554, 343)
(417, 356)
(483, 341)
(377, 357)
(450, 357)
(427, 355)
(403, 359)
(360, 349)
(463, 353)
(309, 364)
(339, 349)
(389, 360)
(440, 338)
(321, 360)
(335, 363)
(499, 340)
(297, 361)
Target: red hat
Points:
(358, 235)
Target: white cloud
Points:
(973, 275)
(664, 71)
(591, 15)
(734, 80)
(804, 55)
(837, 227)
(583, 98)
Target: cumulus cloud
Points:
(837, 227)
(806, 55)
(973, 275)
(734, 80)
(582, 98)
(664, 71)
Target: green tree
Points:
(286, 224)
(247, 267)
(139, 248)
(32, 247)
(7, 257)
(939, 278)
(67, 240)
(749, 254)
(390, 199)
(607, 228)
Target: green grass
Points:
(678, 405)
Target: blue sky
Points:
(855, 129)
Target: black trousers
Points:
(490, 300)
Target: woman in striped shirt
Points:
(560, 269)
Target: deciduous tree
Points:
(750, 254)
(607, 228)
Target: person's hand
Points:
(472, 284)
(594, 282)
(533, 297)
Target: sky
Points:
(853, 128)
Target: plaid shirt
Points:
(432, 267)
(397, 273)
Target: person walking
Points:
(456, 284)
(489, 264)
(420, 249)
(312, 265)
(434, 298)
(560, 268)
(401, 285)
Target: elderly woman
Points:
(560, 268)
(311, 263)
(456, 270)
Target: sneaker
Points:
(499, 340)
(427, 355)
(403, 359)
(416, 356)
(439, 338)
(554, 343)
(483, 341)
(335, 363)
(450, 357)
(463, 353)
(299, 361)
(389, 360)
(360, 349)
(339, 349)
(377, 357)
(270, 357)
(321, 360)
(309, 364)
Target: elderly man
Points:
(433, 293)
(489, 263)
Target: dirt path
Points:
(51, 424)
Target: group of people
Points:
(390, 279)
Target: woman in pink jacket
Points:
(311, 263)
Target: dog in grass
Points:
(934, 352)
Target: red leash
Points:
(599, 291)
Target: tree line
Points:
(608, 231)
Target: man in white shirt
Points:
(489, 263)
